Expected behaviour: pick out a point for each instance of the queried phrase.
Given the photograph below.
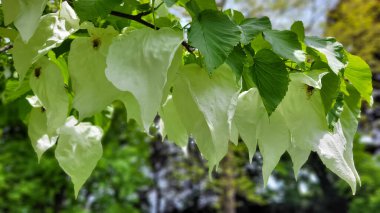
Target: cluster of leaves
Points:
(235, 76)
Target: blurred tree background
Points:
(140, 173)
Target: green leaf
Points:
(8, 33)
(249, 111)
(252, 27)
(170, 3)
(259, 43)
(353, 102)
(330, 90)
(47, 84)
(1, 16)
(234, 134)
(331, 49)
(298, 28)
(272, 144)
(335, 112)
(215, 35)
(78, 150)
(206, 107)
(172, 74)
(52, 30)
(285, 43)
(138, 63)
(174, 127)
(359, 74)
(25, 14)
(236, 61)
(236, 16)
(11, 10)
(92, 9)
(37, 131)
(14, 89)
(196, 7)
(271, 78)
(62, 64)
(312, 78)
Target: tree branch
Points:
(138, 18)
(5, 48)
(188, 47)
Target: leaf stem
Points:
(138, 18)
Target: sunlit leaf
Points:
(34, 101)
(37, 131)
(331, 49)
(172, 74)
(259, 43)
(47, 84)
(79, 150)
(298, 28)
(138, 63)
(88, 55)
(25, 14)
(234, 134)
(332, 150)
(304, 114)
(359, 74)
(298, 156)
(312, 78)
(273, 140)
(206, 107)
(350, 120)
(52, 30)
(174, 127)
(249, 112)
(313, 133)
